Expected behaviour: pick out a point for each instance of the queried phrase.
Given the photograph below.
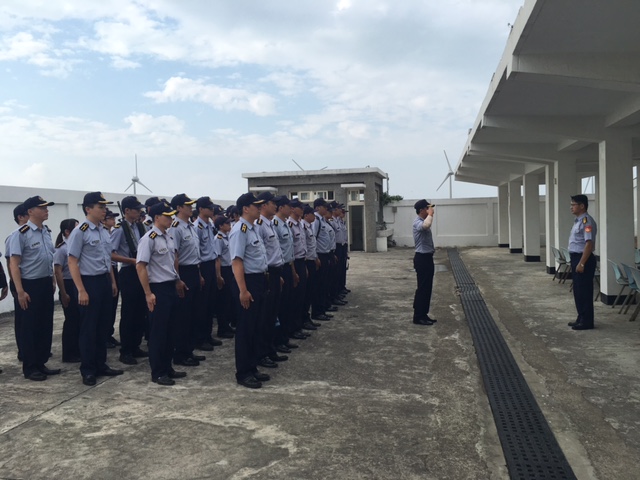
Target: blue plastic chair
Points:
(621, 279)
(635, 273)
(633, 285)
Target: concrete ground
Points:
(368, 396)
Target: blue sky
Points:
(203, 91)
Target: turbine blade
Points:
(130, 185)
(144, 186)
(445, 179)
(447, 159)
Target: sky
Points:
(202, 91)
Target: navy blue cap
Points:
(282, 200)
(204, 202)
(266, 197)
(93, 198)
(34, 202)
(131, 202)
(247, 199)
(161, 208)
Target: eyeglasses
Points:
(575, 204)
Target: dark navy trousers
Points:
(36, 324)
(95, 324)
(423, 265)
(583, 288)
(162, 322)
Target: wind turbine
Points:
(449, 175)
(135, 180)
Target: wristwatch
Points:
(581, 264)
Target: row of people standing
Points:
(203, 286)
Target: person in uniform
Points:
(109, 223)
(32, 273)
(342, 251)
(423, 262)
(20, 216)
(311, 261)
(249, 265)
(203, 328)
(298, 317)
(320, 229)
(224, 274)
(268, 332)
(582, 244)
(156, 266)
(67, 294)
(133, 310)
(89, 247)
(187, 246)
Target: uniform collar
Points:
(249, 225)
(32, 225)
(184, 222)
(295, 222)
(266, 220)
(156, 230)
(581, 216)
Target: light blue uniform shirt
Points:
(286, 239)
(311, 240)
(91, 245)
(221, 245)
(244, 243)
(60, 257)
(7, 244)
(299, 239)
(422, 237)
(267, 233)
(35, 248)
(119, 242)
(332, 234)
(341, 231)
(158, 251)
(187, 242)
(320, 230)
(205, 236)
(584, 229)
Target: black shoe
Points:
(422, 321)
(322, 316)
(308, 326)
(204, 347)
(186, 362)
(163, 381)
(261, 377)
(346, 290)
(267, 363)
(582, 326)
(432, 320)
(338, 302)
(109, 372)
(71, 359)
(139, 353)
(226, 335)
(332, 309)
(278, 358)
(300, 332)
(573, 324)
(250, 382)
(89, 380)
(282, 349)
(315, 324)
(215, 342)
(200, 358)
(36, 376)
(174, 374)
(298, 336)
(49, 371)
(127, 359)
(290, 345)
(110, 344)
(114, 341)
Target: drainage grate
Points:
(530, 449)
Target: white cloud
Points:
(120, 63)
(180, 89)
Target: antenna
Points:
(448, 176)
(135, 180)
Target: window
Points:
(305, 196)
(293, 195)
(356, 195)
(326, 194)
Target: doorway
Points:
(356, 227)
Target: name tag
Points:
(93, 243)
(35, 245)
(162, 251)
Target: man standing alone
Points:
(423, 262)
(582, 243)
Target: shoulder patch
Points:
(84, 226)
(275, 222)
(200, 226)
(117, 226)
(175, 224)
(259, 221)
(244, 228)
(148, 222)
(153, 235)
(584, 220)
(290, 224)
(48, 229)
(24, 228)
(219, 236)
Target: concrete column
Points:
(515, 216)
(565, 185)
(503, 216)
(637, 217)
(550, 218)
(531, 214)
(615, 228)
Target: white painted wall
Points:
(68, 204)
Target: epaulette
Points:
(24, 228)
(244, 228)
(275, 222)
(148, 222)
(48, 229)
(331, 219)
(84, 226)
(153, 235)
(200, 226)
(290, 223)
(117, 226)
(584, 220)
(259, 221)
(175, 224)
(59, 245)
(219, 236)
